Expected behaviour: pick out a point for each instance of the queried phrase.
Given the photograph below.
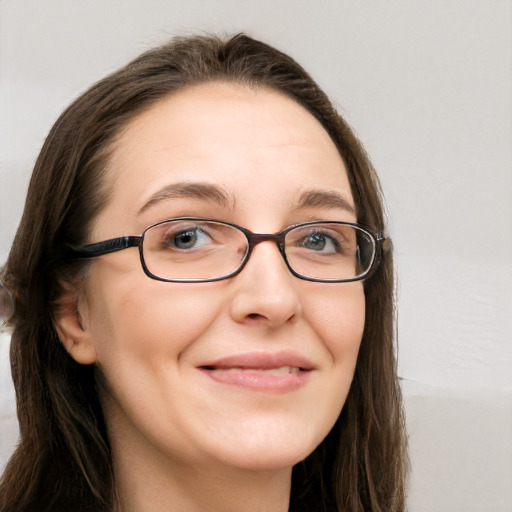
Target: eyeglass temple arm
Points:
(384, 245)
(105, 247)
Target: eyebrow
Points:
(324, 199)
(192, 190)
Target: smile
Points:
(281, 372)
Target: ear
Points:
(70, 321)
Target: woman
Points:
(243, 359)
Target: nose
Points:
(266, 290)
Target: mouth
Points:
(282, 370)
(270, 372)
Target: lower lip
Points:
(260, 381)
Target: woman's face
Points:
(199, 372)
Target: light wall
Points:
(427, 86)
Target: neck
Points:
(148, 480)
(143, 487)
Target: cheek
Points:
(147, 322)
(141, 331)
(338, 316)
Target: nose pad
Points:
(267, 292)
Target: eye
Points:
(320, 241)
(191, 238)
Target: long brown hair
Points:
(63, 459)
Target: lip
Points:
(274, 372)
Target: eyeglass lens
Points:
(192, 249)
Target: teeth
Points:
(283, 370)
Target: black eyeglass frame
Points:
(96, 249)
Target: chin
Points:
(272, 449)
(268, 460)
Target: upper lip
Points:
(260, 361)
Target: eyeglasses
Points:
(190, 250)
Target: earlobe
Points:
(73, 332)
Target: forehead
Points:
(247, 139)
(212, 109)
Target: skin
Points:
(180, 440)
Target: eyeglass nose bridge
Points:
(255, 239)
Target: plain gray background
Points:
(427, 87)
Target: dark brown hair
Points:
(63, 459)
